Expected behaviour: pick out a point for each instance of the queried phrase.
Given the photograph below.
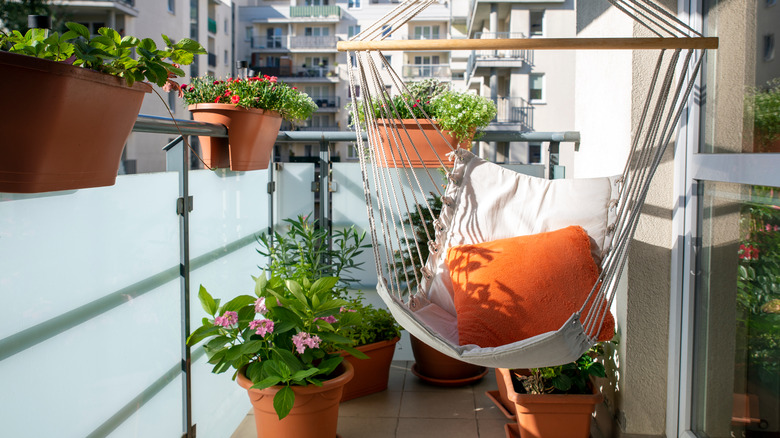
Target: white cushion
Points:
(488, 202)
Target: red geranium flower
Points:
(235, 98)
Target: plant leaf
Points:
(208, 303)
(284, 401)
(267, 382)
(80, 29)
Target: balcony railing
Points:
(269, 42)
(441, 71)
(330, 128)
(327, 101)
(498, 57)
(212, 25)
(315, 12)
(297, 72)
(515, 110)
(212, 60)
(313, 42)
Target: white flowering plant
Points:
(289, 333)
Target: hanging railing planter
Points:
(397, 139)
(64, 126)
(251, 135)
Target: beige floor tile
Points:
(414, 383)
(246, 429)
(367, 427)
(486, 409)
(438, 404)
(398, 370)
(436, 428)
(491, 428)
(382, 404)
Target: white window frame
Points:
(531, 33)
(543, 89)
(691, 169)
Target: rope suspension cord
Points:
(395, 192)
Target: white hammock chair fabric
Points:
(483, 202)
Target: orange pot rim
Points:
(231, 107)
(340, 380)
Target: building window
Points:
(316, 31)
(536, 23)
(352, 152)
(307, 150)
(227, 58)
(353, 30)
(353, 4)
(172, 6)
(534, 153)
(536, 87)
(769, 47)
(227, 27)
(273, 38)
(386, 30)
(502, 153)
(172, 98)
(771, 3)
(357, 92)
(426, 32)
(248, 33)
(389, 59)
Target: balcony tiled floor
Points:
(411, 408)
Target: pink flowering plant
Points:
(287, 334)
(261, 92)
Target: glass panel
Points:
(737, 313)
(741, 106)
(230, 209)
(293, 191)
(90, 283)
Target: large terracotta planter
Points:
(315, 413)
(372, 374)
(431, 147)
(62, 127)
(552, 415)
(439, 369)
(251, 136)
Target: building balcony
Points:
(301, 74)
(212, 60)
(78, 7)
(314, 43)
(270, 43)
(315, 13)
(326, 103)
(516, 111)
(424, 71)
(497, 58)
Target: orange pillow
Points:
(511, 289)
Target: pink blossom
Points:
(329, 319)
(272, 79)
(344, 309)
(262, 326)
(227, 320)
(303, 340)
(235, 98)
(260, 306)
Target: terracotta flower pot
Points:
(63, 127)
(315, 413)
(441, 370)
(500, 397)
(372, 374)
(251, 135)
(553, 415)
(431, 148)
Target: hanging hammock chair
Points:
(520, 271)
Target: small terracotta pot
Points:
(430, 148)
(441, 370)
(500, 397)
(251, 135)
(552, 415)
(315, 413)
(63, 127)
(372, 374)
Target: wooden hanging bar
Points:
(533, 43)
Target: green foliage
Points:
(758, 282)
(408, 260)
(264, 93)
(461, 112)
(13, 14)
(285, 335)
(375, 325)
(107, 52)
(764, 106)
(571, 378)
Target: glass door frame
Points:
(691, 169)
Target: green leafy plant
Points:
(763, 104)
(265, 92)
(410, 258)
(571, 378)
(302, 252)
(461, 112)
(108, 52)
(285, 335)
(758, 283)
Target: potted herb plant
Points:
(252, 109)
(554, 402)
(458, 114)
(281, 343)
(302, 250)
(75, 99)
